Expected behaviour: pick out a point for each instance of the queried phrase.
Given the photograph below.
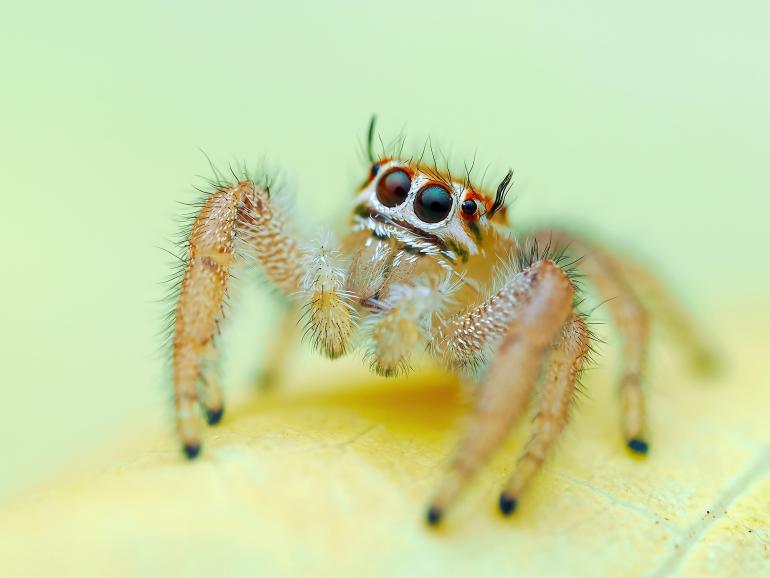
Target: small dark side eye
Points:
(432, 204)
(468, 207)
(393, 187)
(374, 170)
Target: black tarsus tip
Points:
(638, 446)
(191, 450)
(214, 416)
(507, 504)
(434, 516)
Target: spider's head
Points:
(414, 199)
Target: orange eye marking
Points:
(488, 204)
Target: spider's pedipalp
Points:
(564, 365)
(403, 326)
(329, 314)
(525, 316)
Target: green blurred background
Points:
(647, 123)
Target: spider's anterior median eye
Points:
(433, 204)
(393, 188)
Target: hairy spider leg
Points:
(279, 348)
(235, 220)
(210, 392)
(564, 365)
(672, 313)
(526, 315)
(633, 322)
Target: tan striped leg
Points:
(673, 315)
(632, 320)
(235, 220)
(526, 315)
(279, 349)
(564, 365)
(210, 388)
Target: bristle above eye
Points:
(502, 192)
(370, 138)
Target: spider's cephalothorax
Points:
(414, 227)
(429, 261)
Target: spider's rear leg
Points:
(279, 349)
(632, 319)
(633, 322)
(673, 315)
(564, 365)
(528, 313)
(234, 219)
(210, 389)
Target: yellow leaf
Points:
(332, 481)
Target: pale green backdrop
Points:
(648, 123)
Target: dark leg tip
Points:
(214, 416)
(434, 516)
(191, 450)
(638, 446)
(507, 504)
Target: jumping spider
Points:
(419, 267)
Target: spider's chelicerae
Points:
(429, 261)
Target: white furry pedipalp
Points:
(329, 315)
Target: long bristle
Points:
(502, 192)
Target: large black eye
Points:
(393, 188)
(433, 204)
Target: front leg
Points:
(523, 318)
(565, 362)
(235, 221)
